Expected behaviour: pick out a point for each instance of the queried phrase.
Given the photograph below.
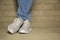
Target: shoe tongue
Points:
(26, 21)
(16, 19)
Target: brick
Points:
(46, 19)
(7, 8)
(46, 6)
(8, 13)
(7, 19)
(39, 13)
(45, 1)
(3, 2)
(46, 24)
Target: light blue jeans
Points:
(24, 9)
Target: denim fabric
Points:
(24, 9)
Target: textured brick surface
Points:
(42, 11)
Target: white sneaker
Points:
(14, 27)
(26, 27)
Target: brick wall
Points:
(44, 13)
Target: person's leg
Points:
(24, 12)
(19, 11)
(24, 9)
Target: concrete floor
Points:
(45, 20)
